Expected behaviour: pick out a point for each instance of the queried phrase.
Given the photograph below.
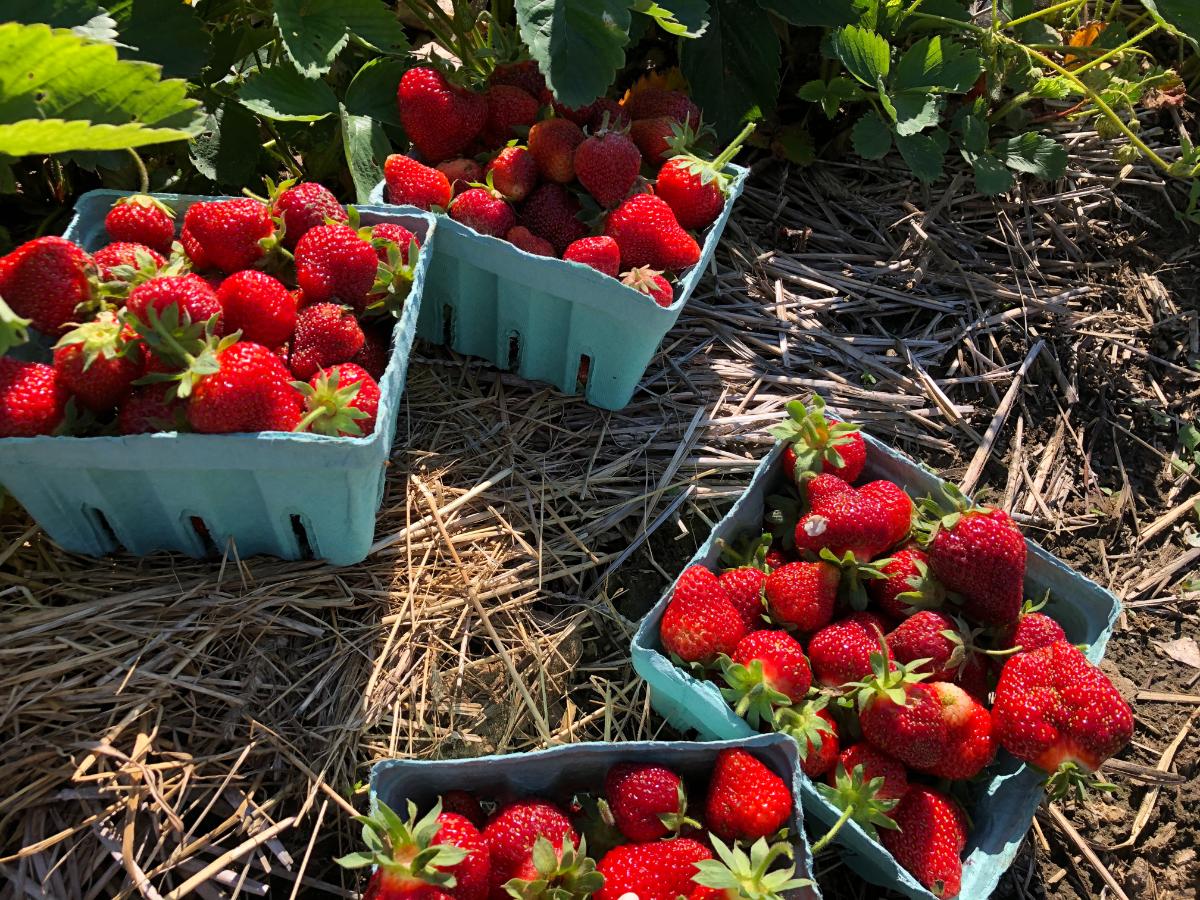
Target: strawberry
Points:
(512, 833)
(844, 519)
(461, 173)
(142, 219)
(513, 173)
(900, 715)
(1058, 712)
(768, 670)
(657, 138)
(410, 183)
(465, 804)
(695, 188)
(608, 112)
(737, 875)
(555, 871)
(700, 622)
(258, 306)
(376, 351)
(647, 281)
(580, 115)
(231, 234)
(866, 786)
(647, 801)
(150, 408)
(552, 143)
(607, 164)
(660, 870)
(99, 361)
(932, 639)
(601, 253)
(119, 261)
(978, 552)
(746, 800)
(43, 280)
(908, 584)
(745, 584)
(334, 262)
(970, 744)
(303, 206)
(484, 210)
(816, 443)
(33, 400)
(551, 212)
(646, 231)
(802, 594)
(341, 401)
(654, 102)
(439, 855)
(896, 506)
(1032, 631)
(251, 391)
(776, 558)
(840, 653)
(875, 764)
(929, 839)
(191, 296)
(509, 110)
(815, 732)
(524, 239)
(192, 249)
(439, 118)
(525, 75)
(326, 334)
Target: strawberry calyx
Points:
(404, 849)
(813, 437)
(684, 138)
(563, 873)
(1073, 777)
(105, 336)
(750, 693)
(393, 279)
(857, 797)
(887, 680)
(782, 513)
(189, 349)
(854, 573)
(934, 515)
(804, 725)
(330, 406)
(750, 553)
(925, 591)
(749, 876)
(148, 201)
(677, 820)
(14, 330)
(713, 170)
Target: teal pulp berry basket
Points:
(1005, 801)
(289, 495)
(549, 319)
(576, 768)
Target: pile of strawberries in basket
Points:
(638, 830)
(893, 642)
(513, 163)
(264, 315)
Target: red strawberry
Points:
(654, 102)
(1057, 711)
(840, 653)
(865, 785)
(99, 361)
(801, 594)
(410, 183)
(376, 351)
(512, 833)
(303, 206)
(843, 519)
(744, 585)
(192, 249)
(646, 231)
(875, 764)
(142, 219)
(230, 233)
(979, 553)
(524, 239)
(1032, 631)
(902, 717)
(746, 800)
(661, 870)
(334, 262)
(695, 188)
(32, 399)
(461, 173)
(817, 443)
(509, 109)
(439, 118)
(657, 138)
(930, 838)
(513, 173)
(465, 804)
(647, 281)
(552, 143)
(252, 391)
(768, 670)
(601, 253)
(551, 212)
(933, 637)
(908, 586)
(124, 256)
(483, 210)
(393, 233)
(259, 306)
(192, 297)
(326, 334)
(647, 801)
(523, 74)
(815, 732)
(607, 163)
(896, 505)
(341, 401)
(970, 745)
(700, 622)
(43, 280)
(150, 408)
(555, 870)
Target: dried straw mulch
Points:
(171, 726)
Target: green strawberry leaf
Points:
(227, 148)
(365, 146)
(925, 153)
(170, 34)
(372, 90)
(974, 131)
(373, 24)
(865, 54)
(1034, 153)
(1056, 88)
(578, 46)
(313, 33)
(831, 94)
(915, 112)
(936, 65)
(280, 92)
(682, 18)
(991, 175)
(871, 136)
(815, 13)
(1181, 17)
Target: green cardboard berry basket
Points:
(573, 768)
(1004, 800)
(550, 319)
(294, 496)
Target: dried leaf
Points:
(1183, 650)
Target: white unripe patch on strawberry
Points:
(629, 895)
(815, 526)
